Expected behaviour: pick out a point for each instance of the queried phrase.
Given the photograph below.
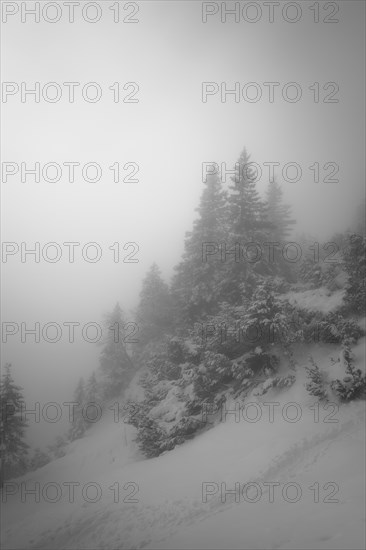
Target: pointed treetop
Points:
(117, 308)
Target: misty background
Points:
(169, 134)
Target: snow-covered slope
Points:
(177, 500)
(317, 299)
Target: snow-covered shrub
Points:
(270, 317)
(240, 370)
(316, 385)
(353, 385)
(254, 364)
(194, 406)
(279, 382)
(264, 318)
(164, 418)
(162, 368)
(334, 328)
(185, 428)
(212, 373)
(222, 333)
(149, 435)
(154, 435)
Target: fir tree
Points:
(116, 366)
(308, 269)
(154, 312)
(278, 229)
(195, 286)
(212, 209)
(78, 425)
(246, 209)
(278, 214)
(12, 428)
(92, 399)
(246, 224)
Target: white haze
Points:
(169, 133)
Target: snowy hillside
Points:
(184, 268)
(177, 500)
(319, 299)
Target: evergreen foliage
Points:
(116, 367)
(219, 329)
(39, 459)
(355, 266)
(316, 385)
(14, 449)
(78, 425)
(246, 224)
(195, 286)
(58, 448)
(353, 385)
(93, 400)
(154, 312)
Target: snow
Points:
(318, 299)
(171, 512)
(171, 408)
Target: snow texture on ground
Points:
(162, 503)
(318, 299)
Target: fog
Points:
(169, 133)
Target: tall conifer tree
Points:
(154, 312)
(195, 285)
(116, 366)
(14, 449)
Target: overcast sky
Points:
(168, 133)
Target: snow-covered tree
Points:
(246, 209)
(279, 222)
(116, 367)
(14, 449)
(278, 214)
(154, 312)
(308, 268)
(195, 286)
(246, 223)
(78, 426)
(93, 399)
